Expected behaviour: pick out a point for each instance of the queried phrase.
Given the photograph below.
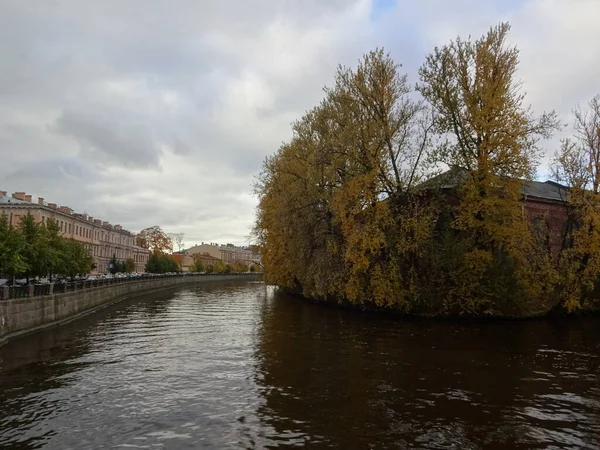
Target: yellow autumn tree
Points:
(577, 165)
(380, 135)
(349, 210)
(294, 227)
(491, 142)
(339, 215)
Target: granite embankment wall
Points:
(25, 315)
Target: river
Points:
(240, 365)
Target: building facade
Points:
(544, 204)
(229, 253)
(140, 257)
(102, 239)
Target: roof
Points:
(5, 200)
(205, 257)
(548, 190)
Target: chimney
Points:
(28, 198)
(2, 193)
(65, 209)
(90, 218)
(19, 195)
(97, 221)
(52, 205)
(105, 224)
(40, 200)
(118, 227)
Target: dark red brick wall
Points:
(555, 215)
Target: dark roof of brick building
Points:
(548, 190)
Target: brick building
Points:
(544, 202)
(102, 239)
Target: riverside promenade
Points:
(25, 309)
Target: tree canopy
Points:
(161, 263)
(577, 165)
(352, 209)
(36, 249)
(154, 239)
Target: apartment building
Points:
(140, 257)
(102, 239)
(228, 253)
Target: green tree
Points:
(76, 258)
(219, 267)
(161, 263)
(240, 267)
(114, 265)
(37, 250)
(58, 260)
(129, 265)
(12, 260)
(198, 266)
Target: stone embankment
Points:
(19, 316)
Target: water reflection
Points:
(230, 365)
(344, 379)
(36, 369)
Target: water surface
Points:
(238, 365)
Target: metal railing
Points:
(37, 290)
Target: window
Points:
(541, 233)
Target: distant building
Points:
(184, 261)
(102, 239)
(140, 257)
(229, 253)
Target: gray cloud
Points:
(161, 112)
(111, 136)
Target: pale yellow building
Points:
(101, 238)
(229, 253)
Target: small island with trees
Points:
(411, 199)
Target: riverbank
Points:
(588, 310)
(23, 316)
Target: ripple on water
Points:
(241, 366)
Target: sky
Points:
(161, 112)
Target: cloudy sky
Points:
(147, 112)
